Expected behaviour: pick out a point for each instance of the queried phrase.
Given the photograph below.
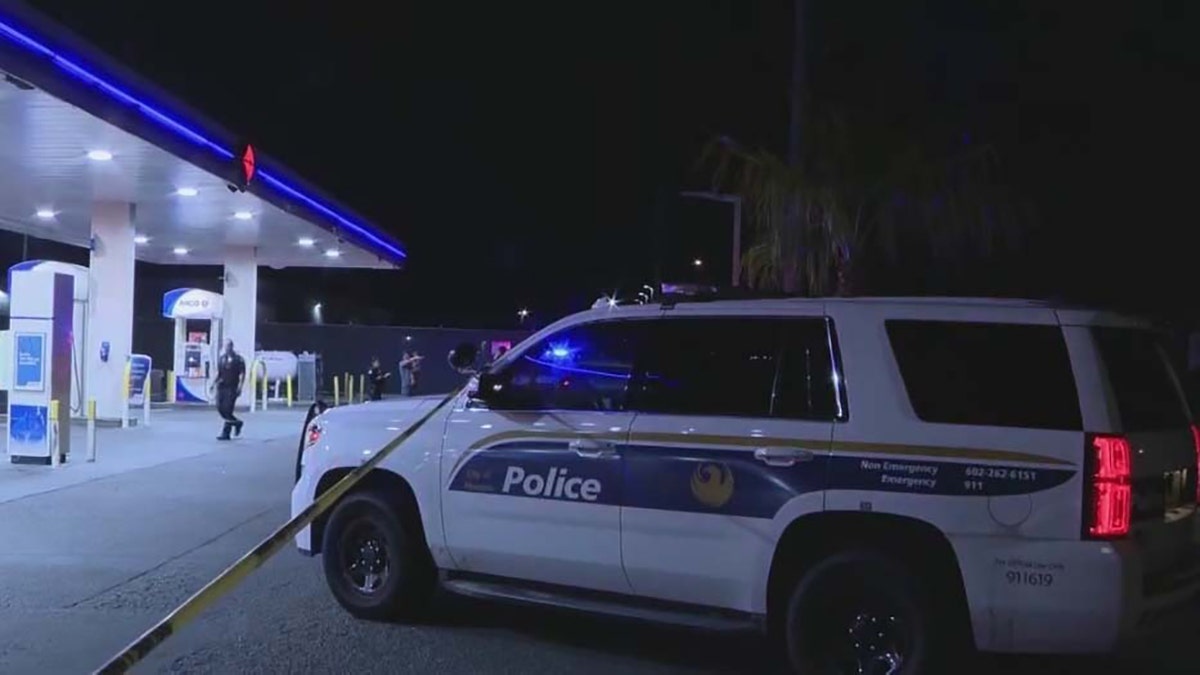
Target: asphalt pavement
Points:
(86, 567)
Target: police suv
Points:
(875, 482)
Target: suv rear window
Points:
(987, 374)
(1139, 373)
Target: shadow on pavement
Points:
(678, 647)
(707, 652)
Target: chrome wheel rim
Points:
(365, 559)
(879, 642)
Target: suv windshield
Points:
(1144, 386)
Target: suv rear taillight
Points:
(1196, 442)
(1111, 490)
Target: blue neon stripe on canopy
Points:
(86, 76)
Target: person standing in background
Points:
(378, 379)
(231, 376)
(406, 374)
(415, 373)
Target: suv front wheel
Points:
(861, 612)
(376, 567)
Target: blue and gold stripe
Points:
(720, 475)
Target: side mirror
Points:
(464, 358)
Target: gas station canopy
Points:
(77, 129)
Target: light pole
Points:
(522, 315)
(736, 201)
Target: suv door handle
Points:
(592, 449)
(782, 456)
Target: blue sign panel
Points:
(27, 430)
(29, 368)
(139, 374)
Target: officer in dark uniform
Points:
(378, 378)
(231, 375)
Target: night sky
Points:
(528, 153)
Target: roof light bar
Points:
(86, 76)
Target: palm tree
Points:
(806, 217)
(814, 213)
(813, 220)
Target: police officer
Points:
(378, 379)
(231, 375)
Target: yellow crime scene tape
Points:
(235, 573)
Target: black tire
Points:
(377, 567)
(860, 611)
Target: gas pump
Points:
(197, 345)
(78, 337)
(41, 327)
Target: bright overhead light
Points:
(332, 253)
(187, 192)
(141, 239)
(179, 250)
(243, 215)
(46, 214)
(306, 242)
(99, 155)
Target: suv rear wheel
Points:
(861, 612)
(376, 567)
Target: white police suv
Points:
(874, 481)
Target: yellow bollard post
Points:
(91, 430)
(336, 394)
(125, 396)
(253, 384)
(349, 389)
(171, 386)
(266, 389)
(362, 387)
(289, 391)
(146, 401)
(54, 456)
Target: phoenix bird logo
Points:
(712, 484)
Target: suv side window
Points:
(710, 366)
(806, 388)
(585, 367)
(987, 374)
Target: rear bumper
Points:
(1172, 599)
(1048, 597)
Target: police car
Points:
(877, 483)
